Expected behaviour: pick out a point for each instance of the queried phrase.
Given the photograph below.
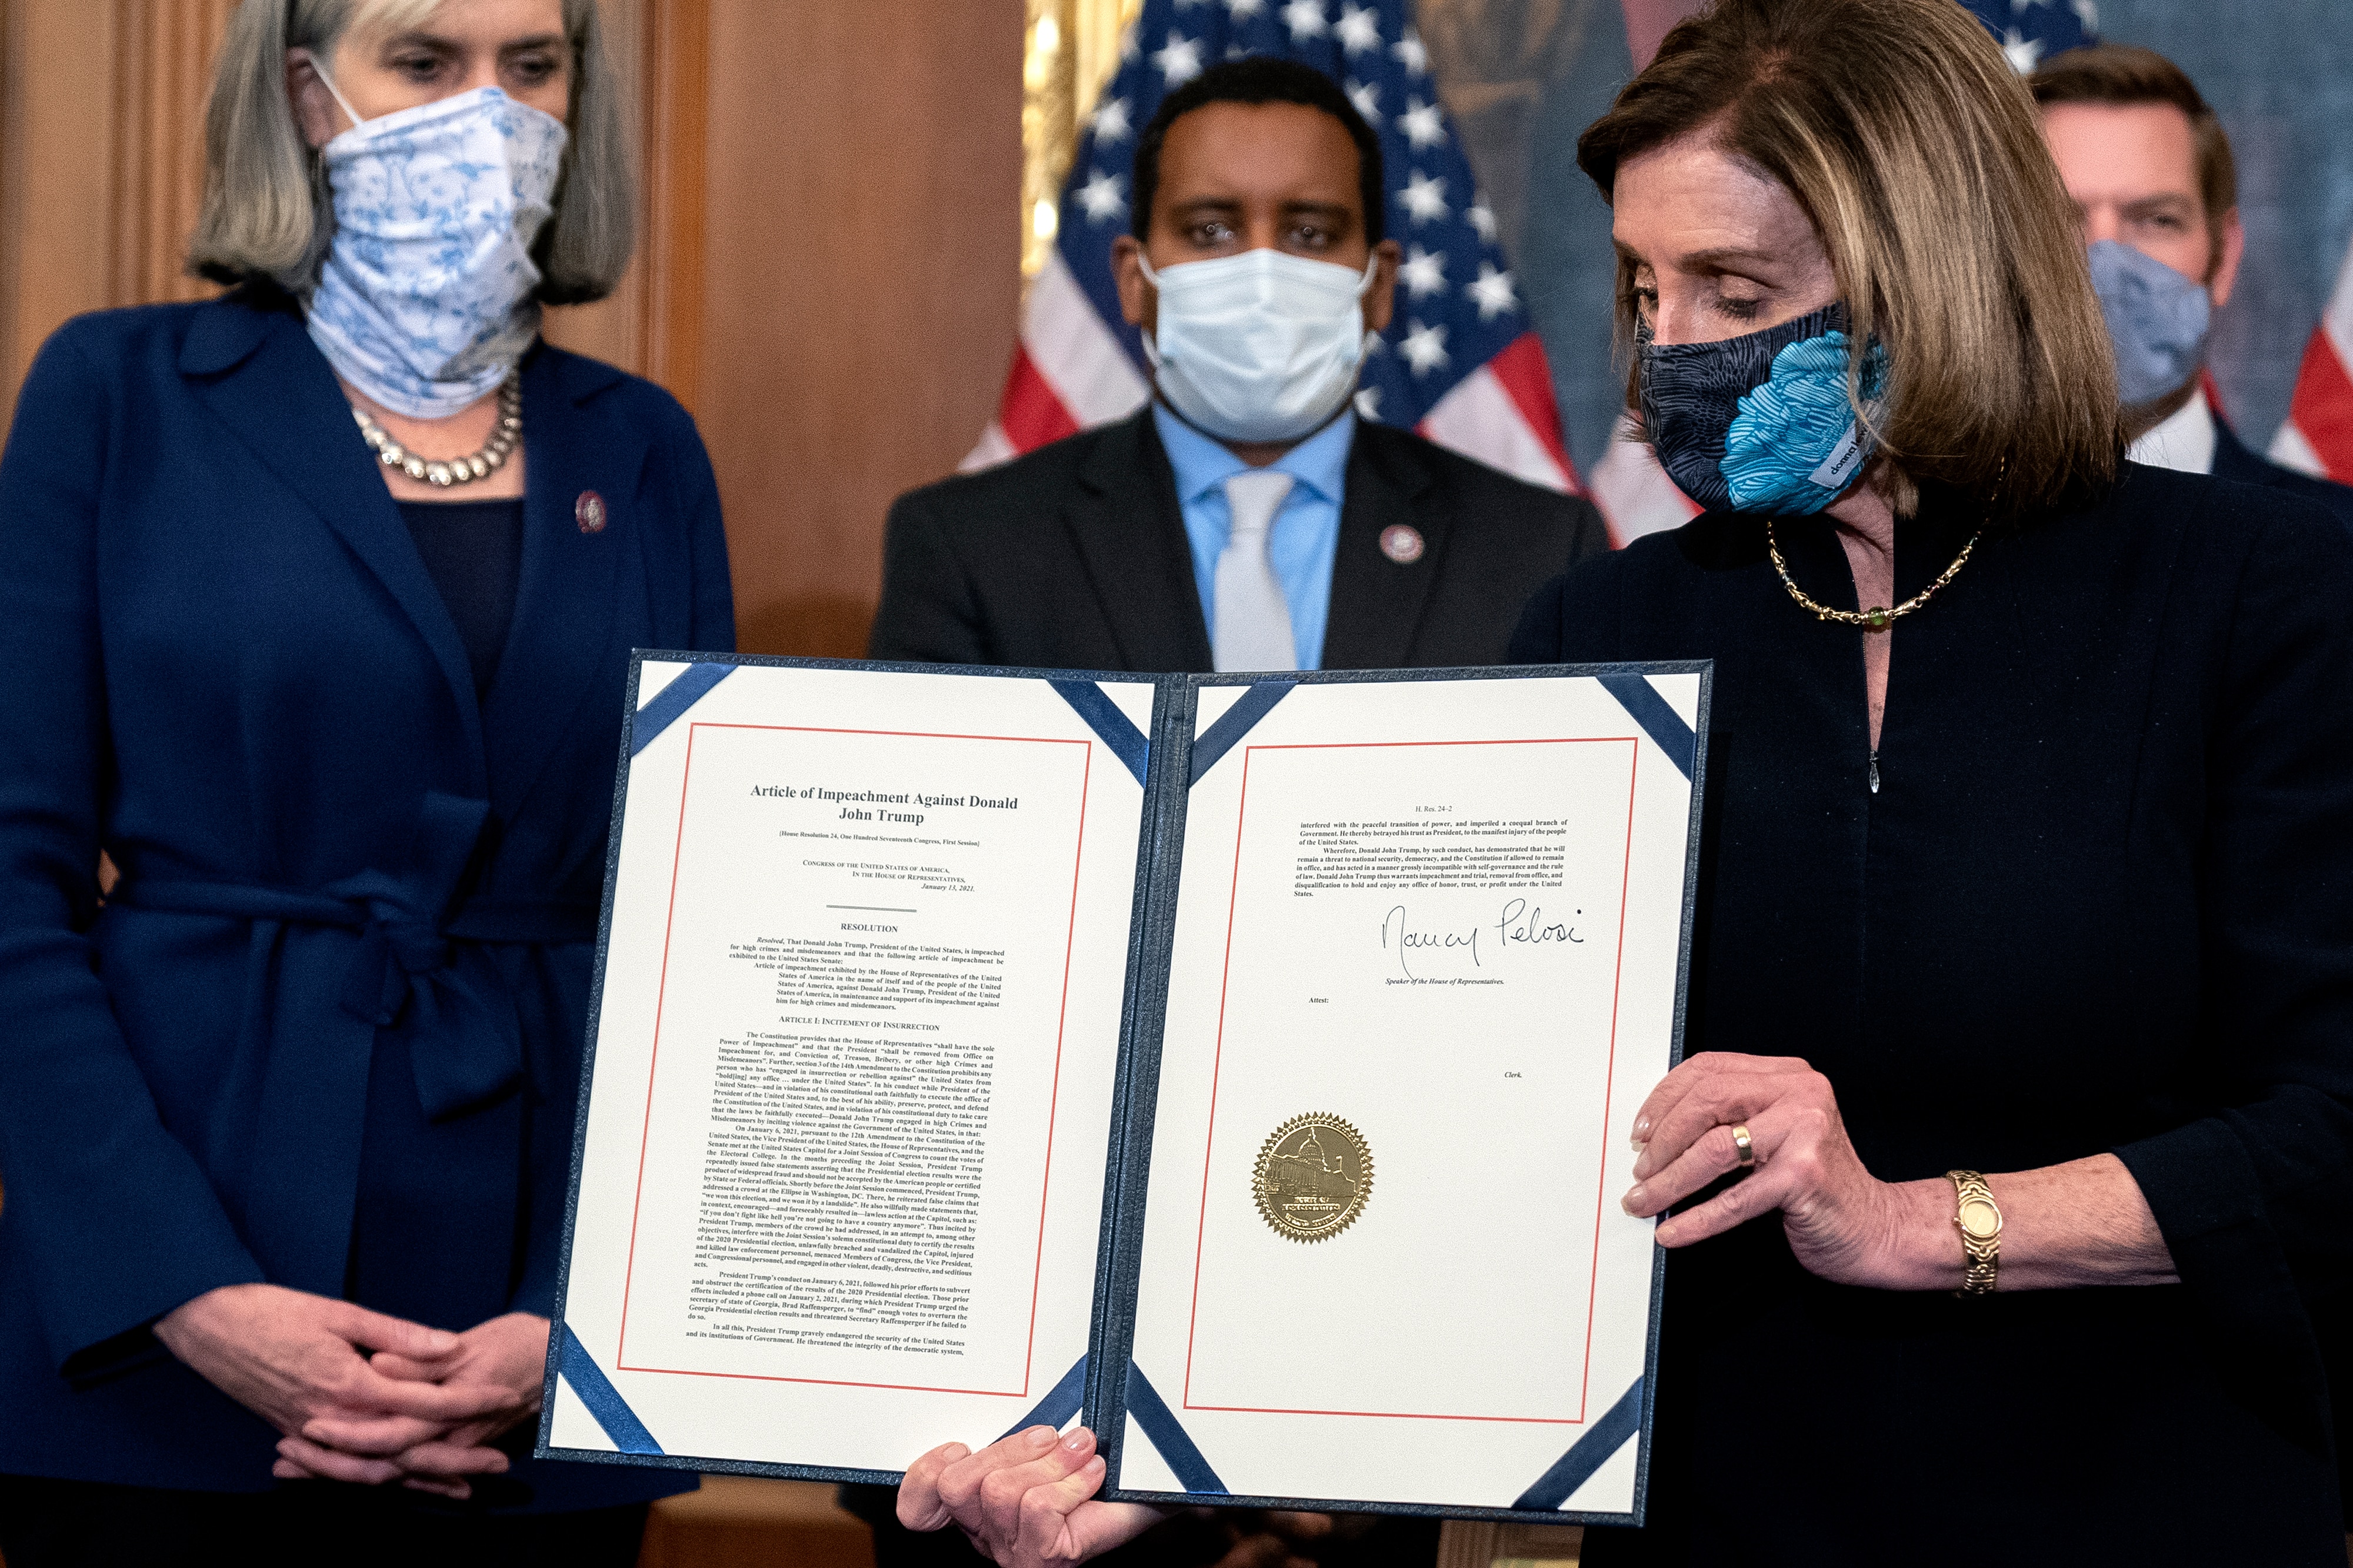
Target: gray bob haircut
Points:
(267, 211)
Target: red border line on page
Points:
(1217, 1059)
(1054, 1102)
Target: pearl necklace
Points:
(445, 472)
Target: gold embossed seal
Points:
(1314, 1174)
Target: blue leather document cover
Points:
(1240, 1066)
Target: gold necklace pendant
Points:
(444, 472)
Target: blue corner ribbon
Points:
(1573, 1469)
(1160, 1423)
(1103, 717)
(596, 1392)
(671, 703)
(1219, 739)
(1656, 715)
(1062, 1401)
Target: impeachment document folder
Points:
(1243, 1066)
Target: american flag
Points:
(2030, 29)
(1459, 363)
(2318, 435)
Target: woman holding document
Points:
(319, 598)
(2016, 1129)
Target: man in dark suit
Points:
(1245, 519)
(1256, 269)
(2149, 167)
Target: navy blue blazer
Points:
(2232, 460)
(327, 1031)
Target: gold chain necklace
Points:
(1879, 617)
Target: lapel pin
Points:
(1401, 543)
(589, 512)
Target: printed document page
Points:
(841, 1189)
(1425, 971)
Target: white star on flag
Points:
(1306, 20)
(1424, 124)
(1424, 198)
(1100, 197)
(1409, 50)
(1180, 61)
(1424, 348)
(2024, 53)
(1367, 97)
(1482, 216)
(1368, 404)
(1423, 274)
(1493, 292)
(1359, 29)
(1242, 10)
(1110, 123)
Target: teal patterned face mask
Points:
(426, 301)
(1760, 422)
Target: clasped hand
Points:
(359, 1396)
(1844, 1224)
(1027, 1500)
(1024, 1502)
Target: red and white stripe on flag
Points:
(2318, 436)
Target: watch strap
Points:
(1983, 1247)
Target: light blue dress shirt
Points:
(1306, 532)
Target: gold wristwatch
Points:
(1978, 1220)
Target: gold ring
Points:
(1748, 1150)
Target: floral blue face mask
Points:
(426, 301)
(1760, 422)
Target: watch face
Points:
(1981, 1220)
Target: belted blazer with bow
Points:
(326, 1032)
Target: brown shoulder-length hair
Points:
(1901, 128)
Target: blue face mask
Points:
(2158, 319)
(1760, 422)
(425, 303)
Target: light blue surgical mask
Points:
(2158, 319)
(1262, 346)
(426, 304)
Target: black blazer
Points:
(2100, 902)
(2333, 1317)
(1074, 557)
(2232, 460)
